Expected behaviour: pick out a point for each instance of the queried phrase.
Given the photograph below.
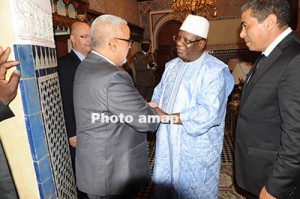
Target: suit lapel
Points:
(76, 59)
(275, 54)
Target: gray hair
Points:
(261, 9)
(104, 28)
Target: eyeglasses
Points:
(85, 36)
(185, 41)
(130, 41)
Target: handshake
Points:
(166, 118)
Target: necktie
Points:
(256, 65)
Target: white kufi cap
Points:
(196, 25)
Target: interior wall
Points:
(127, 9)
(224, 34)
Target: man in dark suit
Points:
(268, 129)
(8, 91)
(67, 65)
(111, 154)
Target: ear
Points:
(271, 21)
(201, 45)
(112, 45)
(72, 37)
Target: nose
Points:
(243, 33)
(179, 42)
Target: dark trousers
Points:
(80, 194)
(7, 185)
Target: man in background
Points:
(111, 155)
(8, 91)
(194, 90)
(240, 71)
(145, 67)
(67, 65)
(267, 158)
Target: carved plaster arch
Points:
(157, 20)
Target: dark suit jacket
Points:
(67, 66)
(111, 157)
(268, 128)
(5, 112)
(7, 186)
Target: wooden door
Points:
(61, 43)
(166, 46)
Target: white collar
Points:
(104, 57)
(79, 55)
(271, 47)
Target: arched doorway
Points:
(165, 45)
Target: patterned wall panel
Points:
(146, 8)
(44, 119)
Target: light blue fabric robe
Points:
(187, 157)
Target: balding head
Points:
(110, 36)
(105, 28)
(75, 27)
(80, 37)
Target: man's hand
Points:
(160, 112)
(265, 195)
(72, 141)
(8, 89)
(152, 104)
(165, 117)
